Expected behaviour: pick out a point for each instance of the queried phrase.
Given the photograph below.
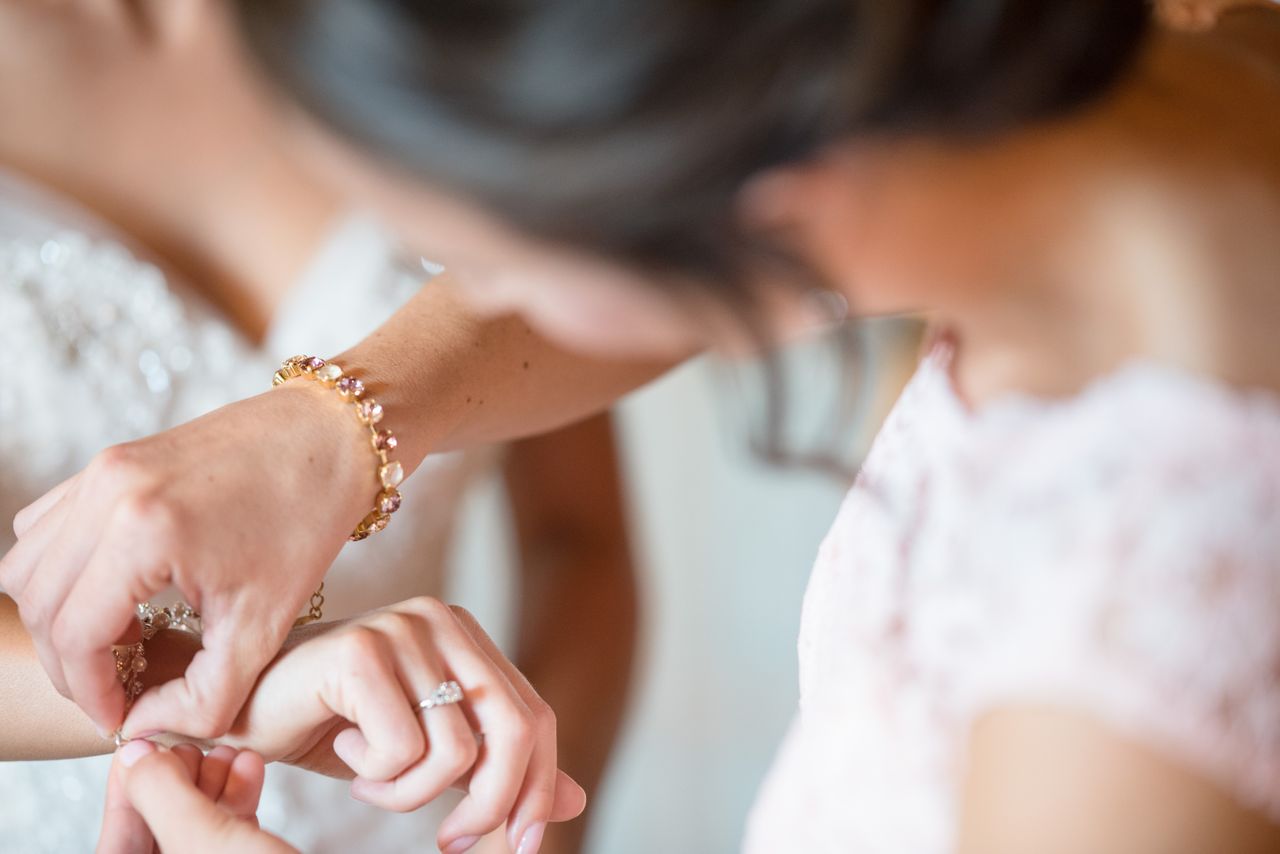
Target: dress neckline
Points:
(1144, 373)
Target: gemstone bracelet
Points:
(369, 412)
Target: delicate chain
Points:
(317, 608)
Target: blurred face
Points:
(580, 301)
(894, 227)
(915, 225)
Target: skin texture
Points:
(193, 162)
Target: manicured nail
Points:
(532, 839)
(461, 844)
(135, 750)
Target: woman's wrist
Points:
(365, 409)
(169, 651)
(318, 425)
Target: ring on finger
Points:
(445, 694)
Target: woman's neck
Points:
(1163, 214)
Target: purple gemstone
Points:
(385, 441)
(351, 386)
(389, 503)
(315, 363)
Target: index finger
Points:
(31, 514)
(204, 701)
(99, 610)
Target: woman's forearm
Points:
(36, 722)
(450, 380)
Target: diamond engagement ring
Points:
(446, 694)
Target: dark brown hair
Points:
(626, 127)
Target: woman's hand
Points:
(242, 510)
(346, 697)
(180, 800)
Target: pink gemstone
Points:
(357, 388)
(344, 385)
(315, 363)
(389, 503)
(385, 441)
(371, 411)
(378, 524)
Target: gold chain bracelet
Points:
(369, 412)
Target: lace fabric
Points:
(1117, 553)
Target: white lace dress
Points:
(1117, 553)
(100, 346)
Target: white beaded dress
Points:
(101, 346)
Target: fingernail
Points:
(532, 839)
(133, 751)
(148, 733)
(461, 844)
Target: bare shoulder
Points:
(1059, 782)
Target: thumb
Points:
(179, 815)
(205, 701)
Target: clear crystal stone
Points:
(391, 475)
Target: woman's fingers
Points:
(19, 577)
(204, 702)
(366, 690)
(243, 789)
(123, 830)
(33, 512)
(191, 758)
(495, 709)
(97, 611)
(535, 802)
(161, 789)
(571, 799)
(214, 771)
(451, 743)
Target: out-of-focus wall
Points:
(724, 544)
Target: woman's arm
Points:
(451, 380)
(36, 722)
(1057, 782)
(577, 613)
(220, 507)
